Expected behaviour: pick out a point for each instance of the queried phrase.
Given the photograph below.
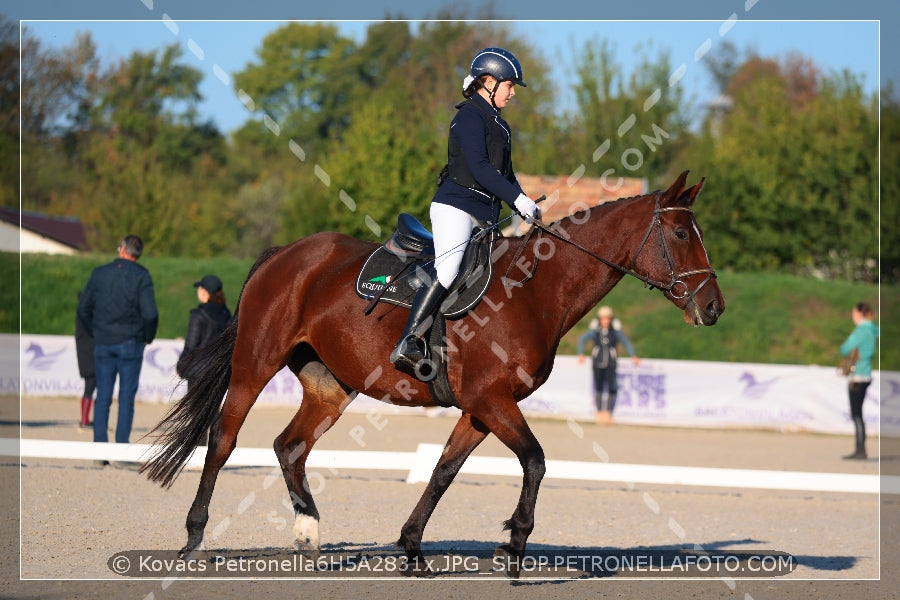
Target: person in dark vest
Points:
(605, 333)
(205, 322)
(478, 176)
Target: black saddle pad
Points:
(402, 276)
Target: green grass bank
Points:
(769, 317)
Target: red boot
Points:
(86, 404)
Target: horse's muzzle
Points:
(696, 313)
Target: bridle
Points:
(676, 277)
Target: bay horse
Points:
(298, 309)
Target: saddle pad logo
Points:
(376, 284)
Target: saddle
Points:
(411, 239)
(395, 271)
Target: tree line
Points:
(342, 135)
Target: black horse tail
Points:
(188, 422)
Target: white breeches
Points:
(452, 229)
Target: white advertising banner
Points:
(716, 394)
(49, 367)
(656, 392)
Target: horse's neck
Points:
(610, 232)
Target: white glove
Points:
(527, 207)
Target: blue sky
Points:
(220, 48)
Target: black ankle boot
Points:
(412, 348)
(859, 454)
(860, 435)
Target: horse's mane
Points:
(600, 205)
(580, 213)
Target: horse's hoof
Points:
(512, 563)
(308, 550)
(191, 550)
(416, 566)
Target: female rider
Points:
(478, 176)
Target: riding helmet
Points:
(499, 63)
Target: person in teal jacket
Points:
(863, 338)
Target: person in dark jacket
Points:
(118, 309)
(206, 322)
(478, 176)
(84, 353)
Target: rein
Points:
(675, 276)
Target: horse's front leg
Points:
(466, 436)
(505, 420)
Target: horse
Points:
(298, 309)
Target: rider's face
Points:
(505, 91)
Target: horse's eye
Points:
(681, 234)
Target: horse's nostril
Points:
(712, 309)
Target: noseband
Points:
(676, 278)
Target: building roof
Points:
(66, 230)
(567, 194)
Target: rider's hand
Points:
(527, 207)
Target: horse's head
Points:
(672, 256)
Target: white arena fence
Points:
(656, 392)
(420, 464)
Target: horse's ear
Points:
(674, 190)
(688, 196)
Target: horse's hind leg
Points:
(466, 436)
(222, 441)
(324, 398)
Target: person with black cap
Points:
(478, 176)
(206, 321)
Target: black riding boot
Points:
(412, 347)
(860, 429)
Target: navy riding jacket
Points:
(475, 129)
